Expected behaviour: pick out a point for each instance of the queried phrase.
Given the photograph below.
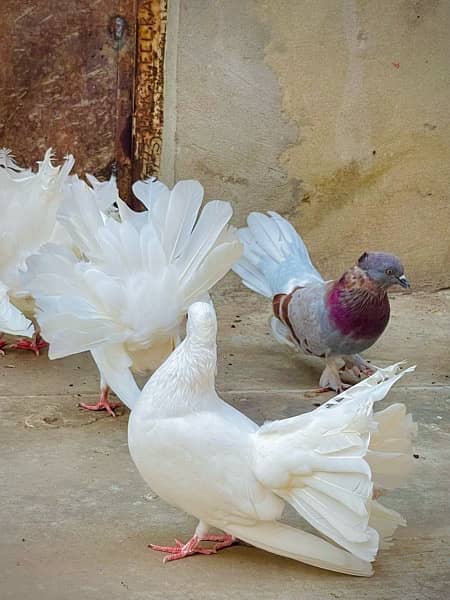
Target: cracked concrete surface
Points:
(76, 519)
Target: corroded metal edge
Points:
(126, 52)
(148, 102)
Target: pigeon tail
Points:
(275, 259)
(390, 453)
(385, 521)
(318, 462)
(290, 542)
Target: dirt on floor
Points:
(76, 518)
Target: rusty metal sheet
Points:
(67, 81)
(148, 105)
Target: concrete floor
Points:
(75, 517)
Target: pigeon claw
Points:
(102, 404)
(3, 344)
(191, 547)
(35, 344)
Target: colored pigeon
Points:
(335, 320)
(208, 459)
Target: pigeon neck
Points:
(185, 382)
(358, 306)
(200, 360)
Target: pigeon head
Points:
(385, 269)
(202, 321)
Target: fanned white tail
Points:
(84, 211)
(127, 300)
(275, 258)
(28, 203)
(320, 462)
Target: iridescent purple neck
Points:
(357, 306)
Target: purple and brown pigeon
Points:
(335, 320)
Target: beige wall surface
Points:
(336, 113)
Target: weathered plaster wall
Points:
(335, 113)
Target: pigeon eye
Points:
(389, 271)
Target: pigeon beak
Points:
(403, 281)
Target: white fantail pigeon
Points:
(208, 459)
(124, 296)
(335, 320)
(29, 202)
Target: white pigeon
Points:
(125, 296)
(211, 461)
(29, 202)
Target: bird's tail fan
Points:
(275, 257)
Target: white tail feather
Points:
(114, 364)
(287, 541)
(390, 451)
(385, 521)
(149, 191)
(214, 267)
(275, 257)
(184, 203)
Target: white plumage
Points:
(203, 456)
(29, 202)
(125, 294)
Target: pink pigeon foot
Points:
(102, 404)
(192, 547)
(3, 344)
(357, 366)
(35, 344)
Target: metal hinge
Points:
(118, 28)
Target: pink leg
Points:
(34, 344)
(325, 390)
(192, 547)
(3, 344)
(103, 403)
(357, 366)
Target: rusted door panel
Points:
(84, 77)
(66, 81)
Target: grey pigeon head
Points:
(383, 268)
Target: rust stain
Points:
(86, 78)
(59, 80)
(122, 29)
(148, 106)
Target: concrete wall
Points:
(333, 112)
